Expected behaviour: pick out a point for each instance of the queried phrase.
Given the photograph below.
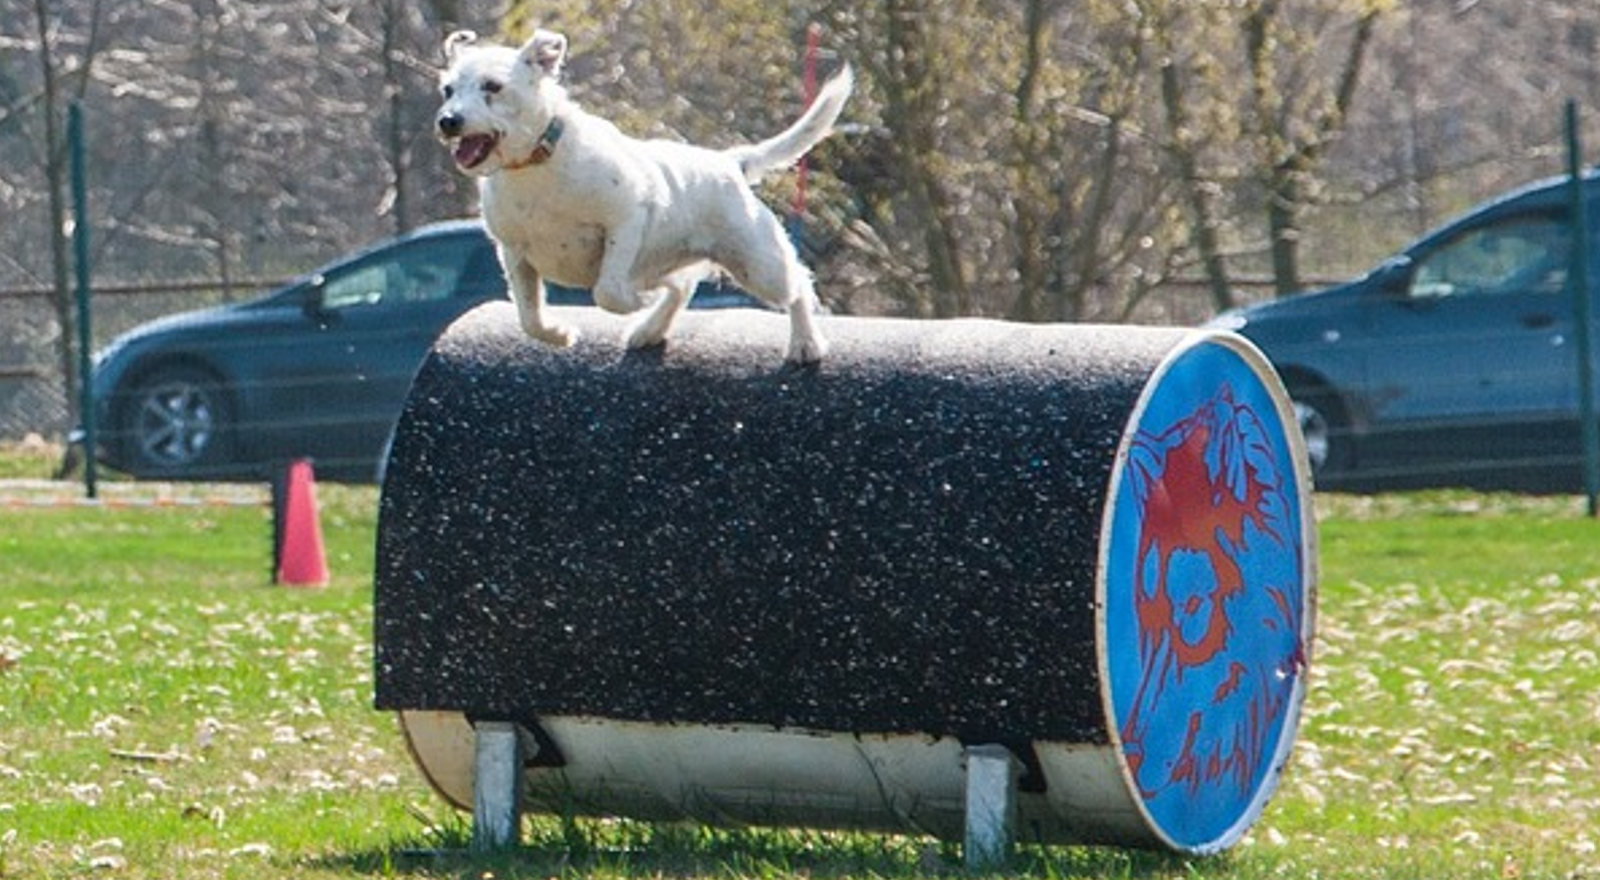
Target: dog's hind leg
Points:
(653, 328)
(767, 265)
(527, 291)
(806, 343)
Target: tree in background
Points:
(904, 46)
(65, 50)
(971, 180)
(1041, 159)
(1295, 110)
(225, 140)
(232, 138)
(1090, 210)
(1278, 80)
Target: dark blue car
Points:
(319, 368)
(1453, 363)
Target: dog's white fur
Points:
(602, 210)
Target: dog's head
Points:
(498, 100)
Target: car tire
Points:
(1326, 431)
(175, 423)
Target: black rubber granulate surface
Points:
(901, 540)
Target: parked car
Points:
(319, 368)
(1452, 363)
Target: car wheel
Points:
(174, 422)
(1325, 429)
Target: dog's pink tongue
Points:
(473, 149)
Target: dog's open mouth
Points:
(473, 149)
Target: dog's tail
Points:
(786, 148)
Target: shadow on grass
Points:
(605, 848)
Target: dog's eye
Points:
(449, 92)
(492, 87)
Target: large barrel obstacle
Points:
(966, 578)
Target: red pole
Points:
(809, 89)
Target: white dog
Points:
(570, 199)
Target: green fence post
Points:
(1583, 311)
(80, 259)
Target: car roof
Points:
(1549, 193)
(437, 229)
(444, 227)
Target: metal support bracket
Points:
(992, 774)
(497, 786)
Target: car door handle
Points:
(1537, 321)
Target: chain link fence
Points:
(34, 400)
(37, 410)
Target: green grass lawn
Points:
(166, 713)
(36, 460)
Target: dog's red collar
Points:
(542, 150)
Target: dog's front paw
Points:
(557, 335)
(618, 298)
(807, 350)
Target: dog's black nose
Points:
(450, 125)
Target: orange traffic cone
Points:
(301, 560)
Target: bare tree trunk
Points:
(1289, 161)
(214, 143)
(398, 127)
(1198, 193)
(56, 162)
(448, 12)
(912, 94)
(1087, 257)
(55, 173)
(1028, 201)
(1283, 227)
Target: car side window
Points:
(482, 276)
(1516, 255)
(414, 272)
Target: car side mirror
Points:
(1392, 276)
(311, 303)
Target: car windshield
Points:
(1517, 255)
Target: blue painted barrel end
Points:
(1207, 592)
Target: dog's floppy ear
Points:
(546, 50)
(457, 41)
